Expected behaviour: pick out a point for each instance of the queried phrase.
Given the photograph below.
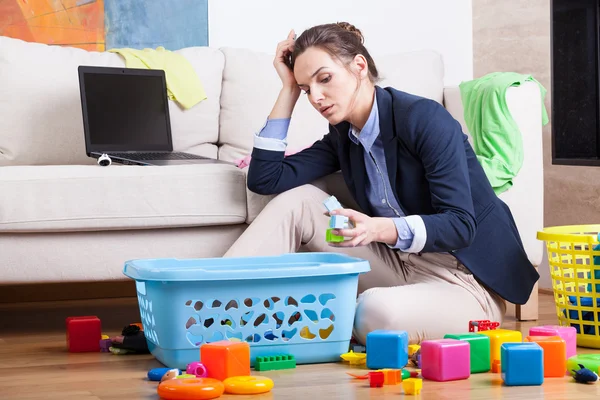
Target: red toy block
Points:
(225, 359)
(482, 325)
(376, 378)
(83, 334)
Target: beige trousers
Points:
(427, 295)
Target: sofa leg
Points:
(530, 310)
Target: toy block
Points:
(496, 367)
(391, 376)
(83, 334)
(445, 359)
(105, 345)
(331, 238)
(332, 203)
(338, 222)
(387, 349)
(480, 350)
(567, 333)
(482, 325)
(376, 379)
(499, 336)
(275, 363)
(225, 358)
(412, 385)
(555, 354)
(589, 361)
(522, 364)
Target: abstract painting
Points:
(100, 25)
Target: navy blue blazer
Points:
(433, 172)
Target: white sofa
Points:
(64, 218)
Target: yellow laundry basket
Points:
(574, 258)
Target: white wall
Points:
(389, 26)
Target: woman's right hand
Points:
(284, 49)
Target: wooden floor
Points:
(35, 365)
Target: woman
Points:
(443, 248)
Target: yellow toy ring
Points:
(247, 385)
(190, 389)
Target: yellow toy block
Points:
(413, 348)
(412, 385)
(499, 336)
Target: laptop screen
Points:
(125, 109)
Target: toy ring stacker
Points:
(191, 389)
(247, 384)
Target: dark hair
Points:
(341, 40)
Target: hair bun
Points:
(351, 28)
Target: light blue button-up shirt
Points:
(411, 229)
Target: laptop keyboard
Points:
(157, 156)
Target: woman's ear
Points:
(361, 65)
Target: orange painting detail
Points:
(74, 23)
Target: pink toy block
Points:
(445, 359)
(567, 333)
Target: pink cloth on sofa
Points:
(244, 162)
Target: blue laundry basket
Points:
(299, 304)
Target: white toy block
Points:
(338, 222)
(332, 203)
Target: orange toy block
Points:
(555, 354)
(392, 376)
(225, 359)
(496, 366)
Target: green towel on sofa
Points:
(183, 84)
(496, 137)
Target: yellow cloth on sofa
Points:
(183, 84)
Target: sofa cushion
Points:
(87, 198)
(40, 106)
(251, 86)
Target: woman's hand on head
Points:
(281, 62)
(366, 229)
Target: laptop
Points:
(126, 117)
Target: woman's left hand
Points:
(366, 229)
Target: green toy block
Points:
(589, 361)
(331, 238)
(480, 350)
(274, 362)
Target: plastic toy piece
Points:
(522, 364)
(105, 345)
(225, 359)
(83, 334)
(331, 238)
(170, 374)
(338, 221)
(354, 358)
(480, 350)
(555, 350)
(589, 361)
(412, 385)
(499, 336)
(376, 379)
(332, 203)
(185, 376)
(584, 375)
(496, 367)
(156, 374)
(274, 363)
(482, 325)
(356, 376)
(413, 348)
(391, 376)
(248, 384)
(567, 333)
(357, 348)
(445, 360)
(188, 389)
(387, 349)
(104, 337)
(197, 369)
(118, 351)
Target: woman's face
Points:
(329, 85)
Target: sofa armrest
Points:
(526, 197)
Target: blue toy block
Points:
(387, 349)
(332, 203)
(338, 222)
(522, 364)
